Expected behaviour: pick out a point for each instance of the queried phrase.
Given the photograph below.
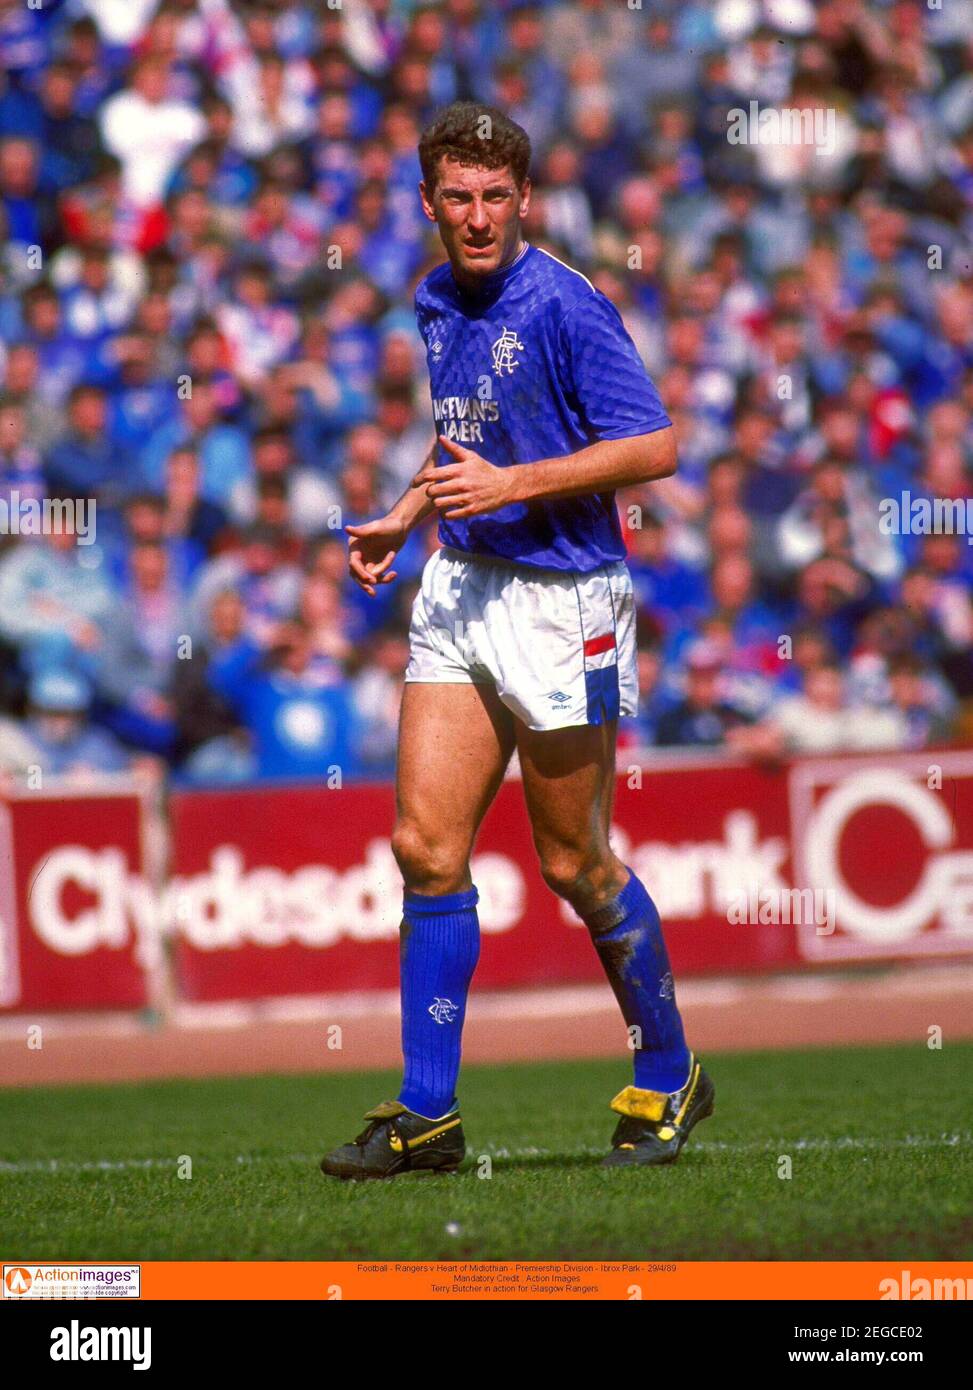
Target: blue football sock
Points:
(627, 935)
(439, 947)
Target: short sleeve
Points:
(603, 373)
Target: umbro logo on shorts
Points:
(558, 697)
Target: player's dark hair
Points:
(476, 136)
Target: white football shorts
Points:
(559, 647)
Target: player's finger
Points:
(357, 568)
(451, 447)
(443, 472)
(442, 485)
(380, 566)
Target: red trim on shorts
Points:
(595, 645)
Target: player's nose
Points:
(478, 220)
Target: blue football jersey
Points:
(534, 364)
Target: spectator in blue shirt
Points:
(65, 744)
(86, 463)
(29, 213)
(704, 717)
(665, 586)
(20, 463)
(69, 140)
(26, 34)
(223, 450)
(141, 400)
(62, 361)
(302, 726)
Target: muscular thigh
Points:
(569, 785)
(455, 741)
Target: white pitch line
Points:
(910, 1141)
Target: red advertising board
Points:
(76, 928)
(280, 892)
(893, 841)
(295, 891)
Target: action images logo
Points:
(32, 1282)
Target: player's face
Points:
(479, 214)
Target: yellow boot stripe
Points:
(434, 1133)
(395, 1143)
(689, 1095)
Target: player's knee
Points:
(426, 862)
(571, 873)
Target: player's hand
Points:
(371, 549)
(468, 487)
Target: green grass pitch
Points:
(880, 1140)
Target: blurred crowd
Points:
(212, 239)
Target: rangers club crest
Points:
(443, 1010)
(503, 352)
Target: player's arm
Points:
(373, 546)
(414, 505)
(602, 467)
(472, 485)
(599, 368)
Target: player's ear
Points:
(525, 198)
(426, 198)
